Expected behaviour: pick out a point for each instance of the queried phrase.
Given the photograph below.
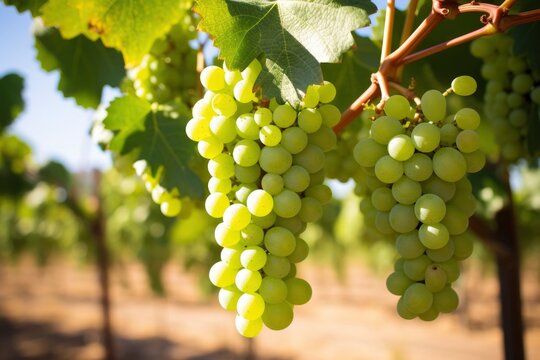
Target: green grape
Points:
(279, 241)
(445, 300)
(298, 291)
(312, 158)
(253, 258)
(426, 137)
(327, 92)
(433, 105)
(243, 190)
(385, 128)
(219, 185)
(451, 267)
(309, 120)
(404, 312)
(270, 135)
(287, 203)
(382, 199)
(429, 315)
(216, 204)
(266, 221)
(272, 183)
(397, 107)
(294, 139)
(222, 274)
(449, 164)
(388, 170)
(463, 246)
(367, 151)
(246, 127)
(455, 220)
(210, 147)
(246, 175)
(415, 269)
(443, 189)
(467, 119)
(278, 316)
(250, 306)
(273, 290)
(430, 209)
(263, 117)
(397, 282)
(225, 236)
(408, 245)
(417, 298)
(294, 224)
(223, 128)
(198, 128)
(406, 191)
(401, 147)
(252, 235)
(243, 91)
(311, 97)
(522, 83)
(330, 115)
(419, 167)
(296, 179)
(171, 207)
(277, 266)
(300, 252)
(468, 141)
(433, 236)
(284, 116)
(231, 255)
(236, 217)
(435, 278)
(449, 134)
(311, 210)
(246, 153)
(475, 161)
(213, 78)
(228, 297)
(248, 328)
(224, 104)
(260, 203)
(464, 85)
(402, 218)
(325, 138)
(248, 281)
(252, 71)
(443, 254)
(320, 192)
(382, 223)
(275, 159)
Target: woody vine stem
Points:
(495, 19)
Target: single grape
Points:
(464, 85)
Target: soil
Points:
(54, 313)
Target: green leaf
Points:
(85, 66)
(11, 100)
(23, 5)
(294, 37)
(55, 173)
(163, 142)
(127, 25)
(125, 116)
(353, 75)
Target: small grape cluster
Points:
(169, 202)
(267, 173)
(161, 76)
(511, 90)
(416, 161)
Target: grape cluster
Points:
(511, 90)
(161, 76)
(169, 202)
(416, 161)
(267, 173)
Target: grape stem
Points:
(407, 29)
(388, 28)
(495, 19)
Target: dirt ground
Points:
(54, 313)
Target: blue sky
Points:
(55, 127)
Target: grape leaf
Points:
(85, 66)
(11, 100)
(353, 75)
(125, 115)
(163, 142)
(23, 5)
(294, 36)
(55, 173)
(129, 26)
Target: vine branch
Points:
(495, 18)
(388, 29)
